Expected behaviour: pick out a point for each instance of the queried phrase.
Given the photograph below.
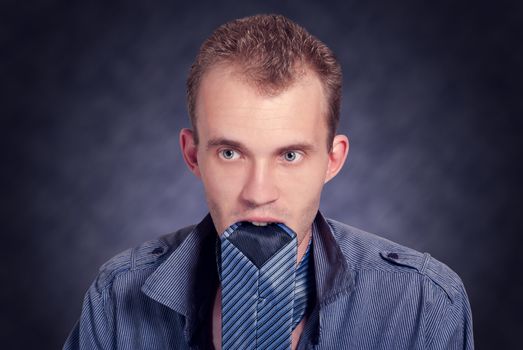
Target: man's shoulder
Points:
(148, 255)
(366, 252)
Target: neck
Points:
(302, 246)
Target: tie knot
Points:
(259, 243)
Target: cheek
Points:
(304, 185)
(302, 193)
(310, 173)
(221, 183)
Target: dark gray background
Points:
(93, 99)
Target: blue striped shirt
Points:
(371, 293)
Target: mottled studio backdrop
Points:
(93, 99)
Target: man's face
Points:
(261, 158)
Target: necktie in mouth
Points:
(264, 295)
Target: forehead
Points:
(229, 106)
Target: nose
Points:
(260, 186)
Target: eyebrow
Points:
(220, 141)
(305, 147)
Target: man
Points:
(264, 101)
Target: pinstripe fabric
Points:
(257, 302)
(370, 294)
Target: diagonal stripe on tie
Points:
(239, 300)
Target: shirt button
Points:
(157, 251)
(392, 256)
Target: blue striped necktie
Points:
(264, 295)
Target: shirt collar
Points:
(187, 280)
(331, 270)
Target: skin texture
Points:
(262, 158)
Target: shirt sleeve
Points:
(450, 325)
(93, 329)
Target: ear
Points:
(189, 150)
(337, 156)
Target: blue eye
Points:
(292, 156)
(228, 154)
